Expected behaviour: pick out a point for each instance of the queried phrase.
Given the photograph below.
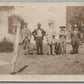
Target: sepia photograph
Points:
(41, 38)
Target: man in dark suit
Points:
(75, 40)
(39, 34)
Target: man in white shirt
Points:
(75, 40)
(50, 40)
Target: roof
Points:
(6, 8)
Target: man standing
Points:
(39, 34)
(26, 37)
(49, 37)
(63, 40)
(75, 40)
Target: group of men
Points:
(55, 46)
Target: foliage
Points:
(6, 8)
(75, 15)
(6, 46)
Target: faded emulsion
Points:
(42, 39)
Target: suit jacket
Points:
(35, 33)
(75, 38)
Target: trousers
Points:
(39, 45)
(75, 47)
(26, 46)
(63, 46)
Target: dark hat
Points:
(62, 27)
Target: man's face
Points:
(39, 25)
(51, 26)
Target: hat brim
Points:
(63, 27)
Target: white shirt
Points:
(75, 31)
(53, 41)
(39, 33)
(50, 33)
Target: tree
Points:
(75, 15)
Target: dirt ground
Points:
(44, 64)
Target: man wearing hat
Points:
(50, 37)
(62, 36)
(75, 40)
(26, 37)
(39, 34)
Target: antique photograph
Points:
(41, 38)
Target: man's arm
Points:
(22, 33)
(34, 33)
(43, 32)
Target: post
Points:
(15, 55)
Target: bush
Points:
(6, 46)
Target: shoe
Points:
(72, 53)
(77, 61)
(37, 53)
(25, 53)
(24, 48)
(41, 54)
(30, 53)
